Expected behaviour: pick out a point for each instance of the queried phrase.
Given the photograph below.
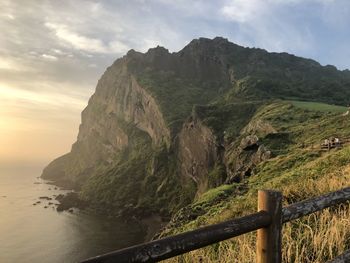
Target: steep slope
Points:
(297, 167)
(118, 102)
(162, 128)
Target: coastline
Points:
(151, 224)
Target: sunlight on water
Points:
(32, 233)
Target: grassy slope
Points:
(300, 172)
(318, 106)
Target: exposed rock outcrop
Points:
(243, 159)
(119, 101)
(198, 152)
(201, 152)
(245, 154)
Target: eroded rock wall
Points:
(118, 101)
(197, 152)
(201, 153)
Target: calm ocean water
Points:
(32, 233)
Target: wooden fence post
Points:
(269, 238)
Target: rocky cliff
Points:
(162, 128)
(118, 101)
(198, 152)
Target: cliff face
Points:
(162, 128)
(119, 96)
(198, 152)
(211, 159)
(119, 101)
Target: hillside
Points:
(207, 125)
(298, 168)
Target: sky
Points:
(52, 53)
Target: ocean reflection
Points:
(32, 233)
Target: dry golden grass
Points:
(315, 238)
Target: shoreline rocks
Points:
(69, 201)
(45, 198)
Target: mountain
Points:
(162, 129)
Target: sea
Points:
(31, 230)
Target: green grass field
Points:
(318, 106)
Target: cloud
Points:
(44, 99)
(49, 57)
(243, 11)
(36, 126)
(8, 16)
(84, 43)
(271, 24)
(116, 46)
(6, 64)
(9, 64)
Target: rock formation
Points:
(163, 128)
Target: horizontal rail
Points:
(175, 245)
(343, 258)
(315, 204)
(179, 244)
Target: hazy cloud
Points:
(49, 57)
(84, 43)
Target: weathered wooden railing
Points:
(268, 221)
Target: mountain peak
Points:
(210, 40)
(207, 41)
(157, 50)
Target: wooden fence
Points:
(268, 222)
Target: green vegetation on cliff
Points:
(143, 180)
(300, 171)
(240, 119)
(217, 70)
(226, 119)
